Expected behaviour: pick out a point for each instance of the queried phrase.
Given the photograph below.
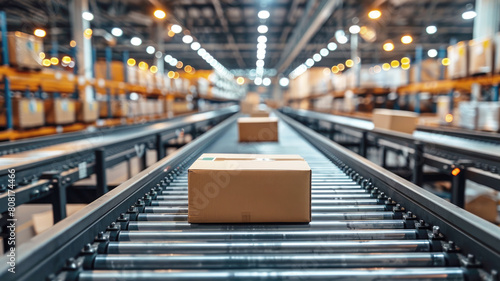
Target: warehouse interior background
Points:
(412, 86)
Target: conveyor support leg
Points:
(418, 164)
(100, 171)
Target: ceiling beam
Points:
(305, 30)
(230, 37)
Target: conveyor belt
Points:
(356, 233)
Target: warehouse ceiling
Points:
(227, 29)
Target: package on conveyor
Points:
(249, 188)
(26, 113)
(250, 102)
(60, 111)
(87, 111)
(395, 120)
(481, 56)
(458, 56)
(488, 118)
(24, 50)
(259, 112)
(257, 129)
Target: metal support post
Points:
(160, 148)
(458, 188)
(363, 145)
(418, 163)
(58, 195)
(108, 77)
(5, 56)
(384, 157)
(100, 171)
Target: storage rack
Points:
(455, 164)
(47, 177)
(367, 224)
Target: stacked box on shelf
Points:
(497, 53)
(488, 118)
(59, 111)
(133, 108)
(458, 60)
(87, 111)
(145, 78)
(26, 113)
(159, 82)
(117, 71)
(467, 114)
(481, 56)
(24, 50)
(430, 71)
(119, 108)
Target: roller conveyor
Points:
(357, 231)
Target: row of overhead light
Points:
(261, 50)
(317, 57)
(388, 45)
(137, 41)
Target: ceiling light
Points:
(386, 66)
(349, 63)
(316, 57)
(266, 81)
(158, 54)
(261, 45)
(261, 51)
(150, 50)
(309, 63)
(354, 29)
(130, 62)
(40, 33)
(136, 41)
(201, 52)
(332, 46)
(117, 32)
(188, 39)
(395, 64)
(342, 39)
(388, 46)
(405, 60)
(88, 16)
(324, 52)
(72, 43)
(284, 82)
(262, 39)
(445, 61)
(168, 58)
(195, 46)
(262, 29)
(260, 63)
(374, 14)
(432, 53)
(173, 62)
(159, 14)
(261, 56)
(263, 14)
(258, 81)
(468, 15)
(407, 39)
(431, 29)
(176, 28)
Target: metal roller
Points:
(312, 235)
(358, 208)
(313, 196)
(315, 216)
(436, 274)
(184, 225)
(295, 247)
(235, 261)
(324, 202)
(313, 191)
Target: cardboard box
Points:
(24, 50)
(119, 108)
(430, 71)
(87, 112)
(26, 113)
(481, 56)
(247, 107)
(117, 72)
(395, 120)
(249, 188)
(488, 118)
(60, 111)
(497, 53)
(458, 56)
(467, 115)
(259, 113)
(180, 107)
(256, 129)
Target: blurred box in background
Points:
(87, 111)
(395, 120)
(26, 113)
(481, 56)
(60, 111)
(24, 50)
(458, 56)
